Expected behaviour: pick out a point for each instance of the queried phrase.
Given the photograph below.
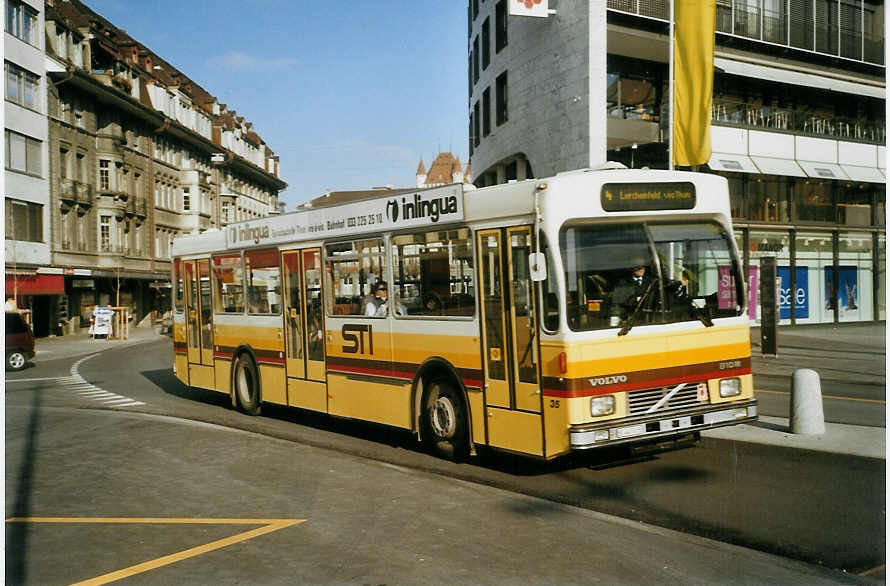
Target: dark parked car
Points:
(19, 341)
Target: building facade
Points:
(27, 197)
(136, 154)
(798, 126)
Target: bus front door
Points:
(509, 341)
(304, 329)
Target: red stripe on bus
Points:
(649, 384)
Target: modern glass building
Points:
(798, 125)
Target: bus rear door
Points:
(304, 329)
(199, 323)
(509, 341)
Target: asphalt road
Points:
(815, 507)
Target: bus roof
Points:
(569, 194)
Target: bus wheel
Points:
(246, 383)
(445, 428)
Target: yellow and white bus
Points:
(506, 316)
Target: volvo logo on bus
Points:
(418, 207)
(607, 380)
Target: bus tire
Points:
(445, 427)
(246, 384)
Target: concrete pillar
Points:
(806, 403)
(502, 174)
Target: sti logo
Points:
(392, 210)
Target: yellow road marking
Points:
(270, 525)
(835, 397)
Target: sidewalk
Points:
(54, 348)
(847, 353)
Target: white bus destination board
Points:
(428, 207)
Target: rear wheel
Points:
(246, 385)
(445, 422)
(15, 360)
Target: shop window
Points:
(761, 244)
(813, 201)
(855, 283)
(812, 295)
(263, 281)
(854, 204)
(736, 196)
(881, 277)
(433, 274)
(228, 276)
(768, 199)
(354, 271)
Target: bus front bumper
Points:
(660, 425)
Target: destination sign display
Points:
(428, 207)
(647, 197)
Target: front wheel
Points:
(445, 422)
(247, 385)
(15, 360)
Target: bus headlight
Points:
(600, 406)
(730, 387)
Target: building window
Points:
(186, 199)
(225, 211)
(105, 233)
(23, 154)
(470, 134)
(501, 98)
(24, 221)
(476, 60)
(63, 163)
(814, 201)
(500, 26)
(104, 175)
(769, 199)
(476, 122)
(21, 21)
(22, 86)
(486, 44)
(486, 112)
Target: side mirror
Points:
(537, 266)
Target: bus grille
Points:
(639, 402)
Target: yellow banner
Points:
(693, 80)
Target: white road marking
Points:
(79, 385)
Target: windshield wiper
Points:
(702, 315)
(629, 322)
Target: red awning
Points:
(36, 285)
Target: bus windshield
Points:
(620, 275)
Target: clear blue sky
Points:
(350, 94)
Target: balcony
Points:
(802, 123)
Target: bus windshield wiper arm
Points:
(702, 315)
(629, 322)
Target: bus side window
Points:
(228, 277)
(354, 268)
(263, 281)
(433, 273)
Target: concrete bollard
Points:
(806, 403)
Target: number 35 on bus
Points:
(594, 308)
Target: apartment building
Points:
(27, 196)
(135, 153)
(798, 125)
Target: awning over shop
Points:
(864, 174)
(731, 163)
(797, 78)
(36, 285)
(775, 166)
(823, 170)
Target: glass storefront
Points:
(821, 216)
(763, 243)
(814, 263)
